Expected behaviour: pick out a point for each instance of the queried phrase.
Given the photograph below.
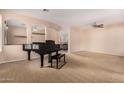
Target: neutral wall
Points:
(52, 34)
(0, 33)
(14, 52)
(107, 40)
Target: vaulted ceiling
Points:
(69, 17)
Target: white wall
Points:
(14, 52)
(0, 33)
(53, 34)
(109, 40)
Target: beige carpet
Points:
(81, 67)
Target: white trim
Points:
(45, 33)
(1, 38)
(69, 50)
(17, 60)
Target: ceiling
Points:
(70, 17)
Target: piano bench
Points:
(57, 58)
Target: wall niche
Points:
(14, 32)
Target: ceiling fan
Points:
(46, 10)
(98, 25)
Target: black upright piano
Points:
(42, 48)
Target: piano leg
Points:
(51, 63)
(49, 60)
(57, 63)
(57, 53)
(29, 53)
(42, 59)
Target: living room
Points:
(90, 39)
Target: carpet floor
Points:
(81, 67)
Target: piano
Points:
(42, 48)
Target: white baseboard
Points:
(99, 52)
(17, 60)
